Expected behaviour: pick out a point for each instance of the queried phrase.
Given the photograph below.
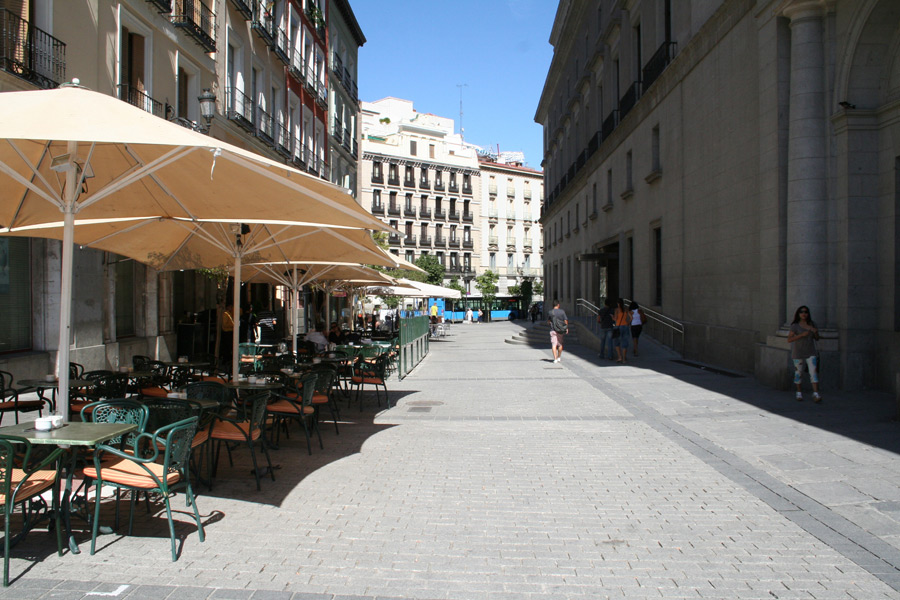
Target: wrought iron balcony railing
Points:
(297, 66)
(265, 126)
(282, 139)
(439, 214)
(30, 53)
(136, 97)
(468, 243)
(409, 240)
(244, 7)
(424, 212)
(629, 99)
(239, 108)
(658, 63)
(282, 46)
(467, 216)
(453, 187)
(454, 215)
(163, 6)
(609, 124)
(393, 211)
(439, 185)
(440, 241)
(263, 22)
(197, 20)
(409, 211)
(424, 240)
(298, 152)
(377, 208)
(467, 188)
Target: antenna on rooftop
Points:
(462, 131)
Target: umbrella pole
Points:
(235, 334)
(296, 308)
(65, 307)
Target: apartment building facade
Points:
(511, 230)
(263, 65)
(726, 162)
(421, 178)
(345, 37)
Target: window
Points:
(376, 197)
(527, 264)
(629, 175)
(467, 234)
(124, 270)
(410, 256)
(629, 245)
(15, 294)
(594, 199)
(510, 263)
(654, 150)
(467, 262)
(493, 261)
(412, 147)
(376, 170)
(430, 150)
(609, 187)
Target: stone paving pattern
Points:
(499, 474)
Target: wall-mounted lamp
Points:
(207, 106)
(846, 105)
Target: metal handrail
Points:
(664, 329)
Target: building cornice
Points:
(410, 162)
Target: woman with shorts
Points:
(622, 319)
(637, 323)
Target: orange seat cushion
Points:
(320, 398)
(36, 484)
(21, 405)
(284, 407)
(374, 380)
(234, 432)
(155, 392)
(130, 473)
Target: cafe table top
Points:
(191, 364)
(44, 384)
(246, 385)
(70, 434)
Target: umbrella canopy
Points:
(418, 289)
(81, 153)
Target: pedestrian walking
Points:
(534, 312)
(802, 338)
(559, 327)
(622, 319)
(607, 326)
(637, 323)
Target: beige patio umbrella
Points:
(330, 276)
(167, 243)
(90, 156)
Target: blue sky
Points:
(421, 50)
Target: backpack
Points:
(558, 323)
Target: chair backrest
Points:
(140, 362)
(325, 376)
(9, 446)
(76, 371)
(209, 390)
(165, 411)
(6, 381)
(177, 438)
(257, 413)
(120, 410)
(308, 387)
(287, 360)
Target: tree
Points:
(539, 288)
(526, 292)
(434, 269)
(486, 283)
(455, 285)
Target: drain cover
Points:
(422, 409)
(425, 403)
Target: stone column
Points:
(806, 200)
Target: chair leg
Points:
(255, 467)
(171, 526)
(192, 500)
(95, 526)
(6, 536)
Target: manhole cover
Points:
(425, 403)
(422, 409)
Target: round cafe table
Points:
(42, 385)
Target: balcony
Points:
(629, 99)
(377, 208)
(511, 243)
(468, 243)
(393, 239)
(377, 177)
(198, 22)
(316, 19)
(282, 46)
(609, 124)
(409, 211)
(453, 242)
(282, 139)
(526, 245)
(424, 212)
(467, 216)
(298, 153)
(409, 240)
(593, 144)
(244, 7)
(454, 215)
(510, 192)
(425, 240)
(439, 214)
(297, 66)
(493, 216)
(347, 143)
(337, 130)
(393, 211)
(424, 184)
(440, 241)
(265, 126)
(409, 182)
(136, 97)
(439, 185)
(393, 180)
(467, 188)
(658, 63)
(492, 189)
(30, 53)
(492, 241)
(527, 194)
(453, 188)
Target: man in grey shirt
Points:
(559, 327)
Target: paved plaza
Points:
(499, 474)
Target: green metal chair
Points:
(22, 484)
(374, 373)
(298, 406)
(10, 401)
(139, 471)
(234, 432)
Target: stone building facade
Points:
(725, 162)
(422, 178)
(266, 63)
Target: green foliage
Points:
(455, 285)
(526, 292)
(515, 291)
(538, 288)
(434, 269)
(486, 283)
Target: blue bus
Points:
(503, 308)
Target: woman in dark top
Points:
(802, 338)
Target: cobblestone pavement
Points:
(499, 474)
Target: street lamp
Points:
(207, 106)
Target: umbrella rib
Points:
(356, 245)
(374, 222)
(28, 183)
(134, 174)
